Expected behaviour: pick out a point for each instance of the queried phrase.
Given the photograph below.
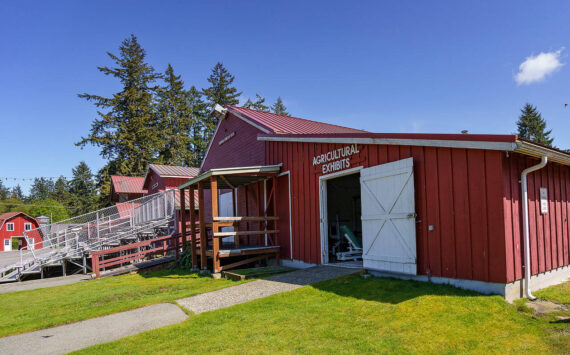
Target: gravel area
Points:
(75, 336)
(230, 296)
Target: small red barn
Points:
(12, 228)
(126, 188)
(442, 207)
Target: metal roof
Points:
(174, 171)
(278, 124)
(128, 184)
(234, 177)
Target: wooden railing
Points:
(165, 244)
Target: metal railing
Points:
(98, 230)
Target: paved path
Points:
(75, 336)
(71, 337)
(9, 258)
(246, 292)
(42, 283)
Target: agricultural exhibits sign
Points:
(337, 159)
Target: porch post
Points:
(183, 217)
(275, 227)
(193, 228)
(215, 227)
(203, 237)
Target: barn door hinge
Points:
(412, 215)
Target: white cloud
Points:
(536, 68)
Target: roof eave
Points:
(262, 169)
(486, 145)
(538, 151)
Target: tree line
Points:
(155, 118)
(59, 199)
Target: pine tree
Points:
(258, 105)
(279, 108)
(17, 193)
(82, 189)
(199, 113)
(532, 126)
(41, 189)
(4, 191)
(220, 92)
(127, 125)
(175, 121)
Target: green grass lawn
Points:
(42, 308)
(356, 315)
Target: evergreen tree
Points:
(17, 193)
(199, 113)
(126, 130)
(42, 189)
(220, 92)
(4, 191)
(175, 121)
(532, 126)
(279, 108)
(82, 189)
(258, 105)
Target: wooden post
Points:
(193, 228)
(215, 227)
(203, 237)
(246, 213)
(183, 217)
(275, 227)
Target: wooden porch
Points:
(234, 240)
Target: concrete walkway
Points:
(246, 292)
(42, 283)
(75, 336)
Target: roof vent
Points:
(465, 131)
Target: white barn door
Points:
(388, 217)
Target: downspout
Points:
(526, 232)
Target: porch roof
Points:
(234, 177)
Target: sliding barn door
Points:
(388, 217)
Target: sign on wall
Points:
(337, 159)
(543, 200)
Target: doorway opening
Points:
(342, 213)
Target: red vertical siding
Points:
(549, 237)
(458, 191)
(19, 230)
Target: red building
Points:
(12, 228)
(126, 188)
(439, 207)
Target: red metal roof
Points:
(128, 184)
(290, 125)
(174, 171)
(9, 215)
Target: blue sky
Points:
(399, 66)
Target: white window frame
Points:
(10, 227)
(7, 241)
(27, 226)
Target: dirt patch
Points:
(543, 307)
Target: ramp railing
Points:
(99, 230)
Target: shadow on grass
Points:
(389, 290)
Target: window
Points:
(10, 227)
(27, 226)
(6, 242)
